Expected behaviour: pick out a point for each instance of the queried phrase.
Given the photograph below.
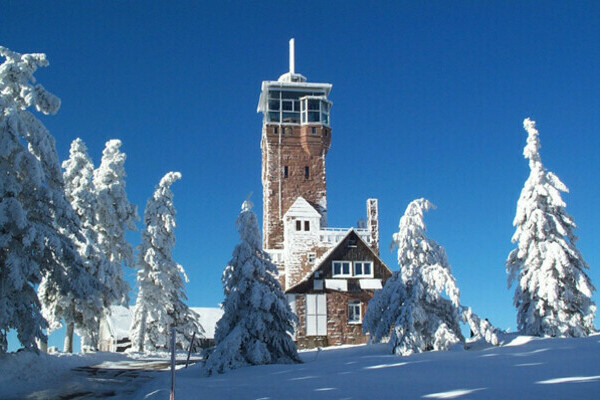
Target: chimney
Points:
(373, 223)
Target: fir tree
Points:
(81, 315)
(36, 221)
(410, 309)
(257, 323)
(553, 293)
(160, 302)
(114, 215)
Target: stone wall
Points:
(295, 147)
(339, 331)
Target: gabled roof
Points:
(325, 257)
(302, 208)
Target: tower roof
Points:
(290, 81)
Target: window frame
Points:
(362, 264)
(341, 274)
(356, 307)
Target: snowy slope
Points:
(531, 368)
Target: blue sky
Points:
(428, 101)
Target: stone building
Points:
(329, 274)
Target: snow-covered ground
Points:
(532, 368)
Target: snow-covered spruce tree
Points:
(160, 302)
(36, 221)
(81, 315)
(427, 321)
(553, 293)
(410, 309)
(257, 323)
(114, 215)
(384, 309)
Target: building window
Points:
(307, 225)
(306, 174)
(298, 225)
(285, 171)
(341, 268)
(314, 130)
(311, 259)
(275, 130)
(354, 315)
(316, 315)
(363, 268)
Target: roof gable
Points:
(302, 209)
(326, 257)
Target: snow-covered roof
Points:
(302, 209)
(208, 318)
(119, 321)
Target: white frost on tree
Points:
(384, 309)
(553, 293)
(257, 323)
(160, 302)
(410, 309)
(114, 215)
(36, 220)
(81, 315)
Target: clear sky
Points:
(429, 100)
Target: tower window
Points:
(306, 174)
(275, 130)
(285, 171)
(314, 130)
(298, 225)
(307, 225)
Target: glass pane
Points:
(303, 117)
(273, 117)
(296, 105)
(358, 270)
(274, 105)
(346, 268)
(287, 105)
(292, 117)
(368, 268)
(324, 106)
(337, 268)
(274, 94)
(313, 116)
(291, 95)
(303, 105)
(325, 118)
(313, 105)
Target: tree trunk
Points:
(69, 338)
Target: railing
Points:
(334, 235)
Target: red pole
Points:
(172, 364)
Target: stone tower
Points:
(296, 135)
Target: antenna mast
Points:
(292, 57)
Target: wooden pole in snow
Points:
(172, 364)
(190, 350)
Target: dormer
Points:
(301, 218)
